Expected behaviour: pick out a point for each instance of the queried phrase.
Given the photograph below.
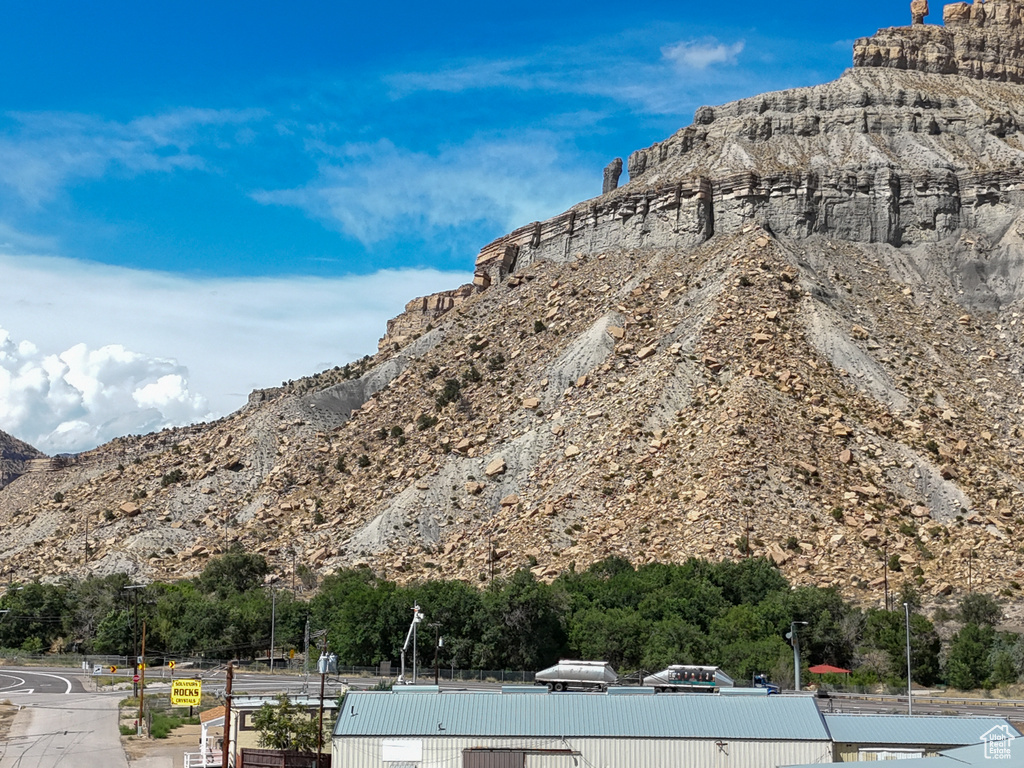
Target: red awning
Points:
(827, 669)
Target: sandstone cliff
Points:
(796, 331)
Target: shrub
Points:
(449, 394)
(363, 461)
(172, 477)
(425, 422)
(58, 497)
(538, 326)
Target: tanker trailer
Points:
(582, 675)
(686, 678)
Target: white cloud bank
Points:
(90, 352)
(81, 397)
(375, 191)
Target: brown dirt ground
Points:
(7, 713)
(178, 742)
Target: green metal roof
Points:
(974, 756)
(581, 715)
(906, 730)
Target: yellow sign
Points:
(113, 669)
(170, 664)
(186, 693)
(291, 654)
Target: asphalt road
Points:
(64, 729)
(22, 682)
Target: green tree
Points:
(523, 625)
(1003, 670)
(967, 667)
(980, 609)
(286, 726)
(235, 572)
(616, 635)
(885, 631)
(674, 641)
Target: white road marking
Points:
(21, 681)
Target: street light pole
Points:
(273, 624)
(910, 689)
(794, 636)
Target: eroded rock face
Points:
(420, 313)
(900, 150)
(918, 11)
(982, 41)
(611, 176)
(16, 457)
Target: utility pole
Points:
(794, 636)
(746, 530)
(885, 572)
(142, 679)
(135, 636)
(273, 624)
(970, 569)
(325, 664)
(227, 714)
(305, 657)
(910, 688)
(438, 642)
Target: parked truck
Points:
(687, 678)
(580, 675)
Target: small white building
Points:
(421, 727)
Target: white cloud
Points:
(628, 70)
(376, 191)
(701, 54)
(45, 151)
(79, 397)
(89, 352)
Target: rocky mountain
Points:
(15, 458)
(795, 332)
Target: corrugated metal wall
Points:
(443, 752)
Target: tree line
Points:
(729, 614)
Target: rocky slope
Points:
(795, 332)
(15, 458)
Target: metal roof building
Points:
(424, 727)
(876, 737)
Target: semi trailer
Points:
(568, 674)
(688, 678)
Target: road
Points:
(62, 729)
(19, 682)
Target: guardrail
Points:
(930, 699)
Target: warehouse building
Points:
(860, 738)
(414, 727)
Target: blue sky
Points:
(197, 199)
